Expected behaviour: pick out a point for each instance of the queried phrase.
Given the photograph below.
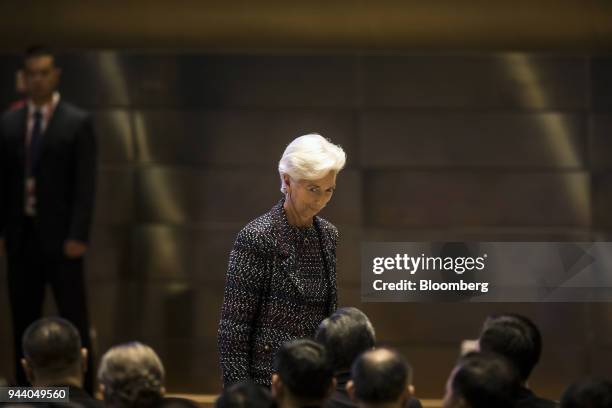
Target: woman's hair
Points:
(132, 375)
(310, 157)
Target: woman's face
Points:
(309, 197)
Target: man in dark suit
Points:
(482, 380)
(54, 358)
(47, 185)
(519, 340)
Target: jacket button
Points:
(267, 348)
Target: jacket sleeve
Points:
(246, 280)
(84, 182)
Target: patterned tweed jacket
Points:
(264, 303)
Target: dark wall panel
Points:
(510, 81)
(114, 136)
(195, 255)
(395, 138)
(602, 200)
(237, 138)
(115, 196)
(418, 198)
(96, 79)
(242, 81)
(600, 126)
(601, 84)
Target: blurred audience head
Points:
(40, 73)
(515, 337)
(346, 334)
(302, 374)
(588, 393)
(245, 394)
(482, 380)
(380, 377)
(53, 354)
(131, 375)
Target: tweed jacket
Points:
(264, 302)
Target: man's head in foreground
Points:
(380, 377)
(53, 354)
(515, 337)
(588, 393)
(346, 334)
(131, 375)
(245, 394)
(302, 375)
(482, 380)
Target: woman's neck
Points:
(293, 217)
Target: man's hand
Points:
(74, 248)
(2, 250)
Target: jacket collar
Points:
(287, 252)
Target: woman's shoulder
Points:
(326, 224)
(260, 233)
(327, 227)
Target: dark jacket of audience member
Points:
(588, 393)
(245, 394)
(176, 402)
(346, 334)
(380, 377)
(518, 339)
(303, 376)
(482, 380)
(53, 357)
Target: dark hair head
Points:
(485, 380)
(304, 369)
(514, 337)
(51, 344)
(346, 334)
(245, 395)
(38, 50)
(380, 376)
(588, 393)
(530, 328)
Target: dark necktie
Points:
(35, 141)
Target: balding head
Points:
(53, 352)
(380, 376)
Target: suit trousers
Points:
(29, 270)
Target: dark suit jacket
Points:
(341, 399)
(65, 179)
(264, 303)
(78, 398)
(527, 399)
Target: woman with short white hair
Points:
(281, 279)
